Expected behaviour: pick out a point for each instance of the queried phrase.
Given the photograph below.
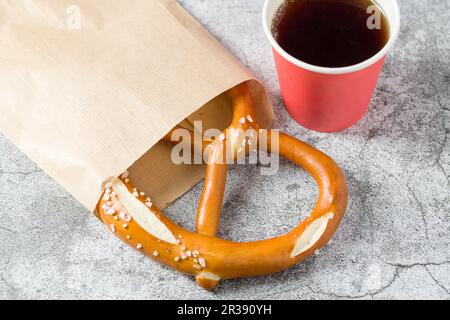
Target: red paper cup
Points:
(328, 99)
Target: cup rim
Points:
(327, 70)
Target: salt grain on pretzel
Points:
(125, 216)
(148, 203)
(221, 259)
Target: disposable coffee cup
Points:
(328, 99)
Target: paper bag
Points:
(89, 87)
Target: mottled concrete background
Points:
(394, 242)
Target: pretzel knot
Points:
(131, 215)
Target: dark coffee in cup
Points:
(331, 33)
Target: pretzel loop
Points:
(139, 223)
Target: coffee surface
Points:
(330, 33)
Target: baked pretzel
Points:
(135, 220)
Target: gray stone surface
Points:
(394, 242)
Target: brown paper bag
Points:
(89, 87)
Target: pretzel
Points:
(135, 220)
